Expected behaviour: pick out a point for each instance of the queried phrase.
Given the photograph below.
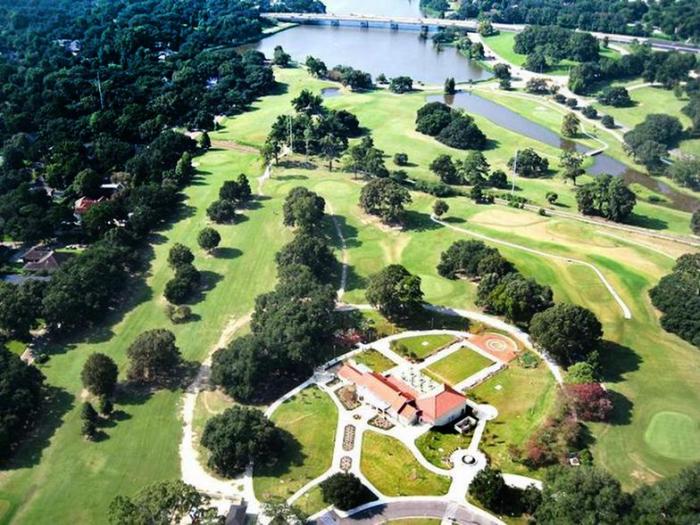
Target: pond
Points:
(508, 119)
(376, 51)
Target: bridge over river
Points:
(431, 24)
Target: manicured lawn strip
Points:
(425, 345)
(648, 100)
(674, 435)
(523, 400)
(374, 360)
(459, 365)
(142, 446)
(394, 471)
(310, 418)
(438, 446)
(311, 501)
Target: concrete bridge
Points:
(433, 24)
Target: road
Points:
(419, 508)
(359, 19)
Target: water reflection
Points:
(376, 51)
(505, 118)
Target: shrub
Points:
(591, 401)
(400, 159)
(345, 491)
(607, 121)
(571, 102)
(589, 112)
(179, 314)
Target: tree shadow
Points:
(417, 221)
(492, 144)
(354, 281)
(653, 223)
(622, 408)
(291, 164)
(290, 455)
(227, 252)
(616, 360)
(57, 402)
(454, 220)
(349, 232)
(291, 177)
(208, 281)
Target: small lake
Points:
(376, 51)
(505, 118)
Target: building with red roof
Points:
(421, 401)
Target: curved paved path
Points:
(626, 312)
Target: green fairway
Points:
(422, 346)
(437, 445)
(458, 366)
(310, 418)
(674, 435)
(650, 99)
(374, 360)
(394, 471)
(502, 45)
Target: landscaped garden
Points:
(310, 419)
(458, 366)
(394, 471)
(374, 360)
(423, 346)
(438, 444)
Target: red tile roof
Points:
(436, 406)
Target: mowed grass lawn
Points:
(422, 346)
(374, 360)
(458, 366)
(674, 435)
(310, 419)
(437, 445)
(394, 471)
(59, 470)
(523, 397)
(502, 44)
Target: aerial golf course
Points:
(651, 373)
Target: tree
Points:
(518, 298)
(476, 193)
(695, 222)
(450, 86)
(401, 84)
(87, 182)
(89, 417)
(204, 140)
(591, 401)
(99, 374)
(537, 86)
(686, 172)
(345, 491)
(208, 239)
(617, 96)
(570, 125)
(432, 118)
(462, 258)
(440, 207)
(606, 196)
(530, 164)
(311, 251)
(385, 198)
(581, 373)
(551, 197)
(656, 127)
(308, 103)
(21, 393)
(498, 179)
(280, 58)
(20, 306)
(316, 67)
(501, 71)
(270, 151)
(572, 161)
(179, 255)
(488, 488)
(183, 285)
(222, 211)
(303, 208)
(395, 292)
(569, 333)
(584, 495)
(162, 503)
(474, 168)
(401, 159)
(607, 121)
(239, 436)
(153, 356)
(281, 513)
(462, 133)
(331, 148)
(444, 168)
(536, 61)
(237, 191)
(670, 500)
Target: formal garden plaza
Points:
(399, 399)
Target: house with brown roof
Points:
(48, 263)
(408, 396)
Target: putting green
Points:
(674, 435)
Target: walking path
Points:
(626, 312)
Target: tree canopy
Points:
(384, 198)
(153, 356)
(608, 197)
(345, 491)
(239, 436)
(99, 374)
(395, 292)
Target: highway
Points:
(469, 25)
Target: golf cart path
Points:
(626, 312)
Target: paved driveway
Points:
(409, 509)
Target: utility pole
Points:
(515, 172)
